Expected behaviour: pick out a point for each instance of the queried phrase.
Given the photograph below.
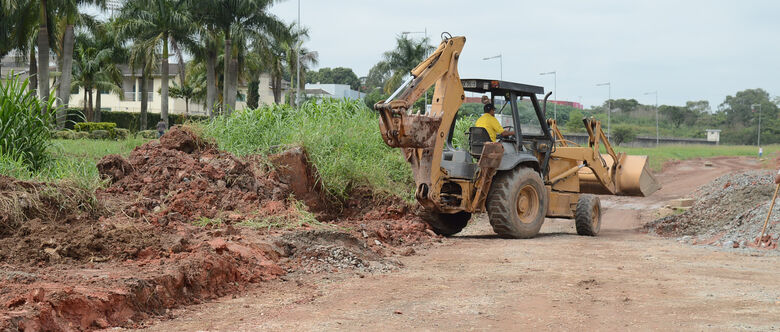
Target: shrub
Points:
(92, 126)
(64, 134)
(25, 123)
(99, 134)
(623, 133)
(121, 133)
(151, 134)
(80, 135)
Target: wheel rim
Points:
(527, 204)
(596, 217)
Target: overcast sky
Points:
(686, 50)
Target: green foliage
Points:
(92, 126)
(64, 134)
(462, 124)
(299, 216)
(25, 123)
(341, 136)
(574, 124)
(375, 96)
(207, 222)
(622, 133)
(150, 134)
(121, 133)
(99, 134)
(72, 161)
(338, 75)
(129, 120)
(664, 153)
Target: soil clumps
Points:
(181, 222)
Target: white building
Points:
(131, 88)
(338, 91)
(713, 135)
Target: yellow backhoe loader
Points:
(519, 180)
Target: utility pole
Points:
(656, 115)
(609, 105)
(298, 61)
(500, 63)
(555, 86)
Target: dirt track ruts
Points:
(620, 279)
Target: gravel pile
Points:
(729, 212)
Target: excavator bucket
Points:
(632, 177)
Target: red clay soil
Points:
(69, 261)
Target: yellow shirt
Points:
(491, 124)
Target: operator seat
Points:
(478, 136)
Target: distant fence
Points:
(644, 141)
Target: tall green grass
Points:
(25, 124)
(341, 136)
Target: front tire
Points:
(587, 217)
(517, 203)
(447, 224)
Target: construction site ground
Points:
(623, 278)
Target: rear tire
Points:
(587, 218)
(448, 223)
(517, 203)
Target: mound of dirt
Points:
(181, 222)
(729, 211)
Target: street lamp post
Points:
(753, 108)
(656, 114)
(500, 63)
(426, 55)
(609, 105)
(555, 86)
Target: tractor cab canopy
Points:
(517, 106)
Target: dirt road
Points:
(620, 279)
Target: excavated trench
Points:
(180, 223)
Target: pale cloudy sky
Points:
(686, 50)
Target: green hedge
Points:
(92, 126)
(129, 120)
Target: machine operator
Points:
(491, 124)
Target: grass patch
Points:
(73, 161)
(298, 217)
(341, 136)
(664, 153)
(207, 222)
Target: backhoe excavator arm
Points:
(422, 136)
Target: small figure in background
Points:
(760, 152)
(161, 128)
(485, 100)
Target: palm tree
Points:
(145, 57)
(107, 38)
(404, 58)
(93, 71)
(68, 11)
(158, 23)
(244, 14)
(272, 53)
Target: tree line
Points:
(228, 41)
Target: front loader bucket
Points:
(633, 178)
